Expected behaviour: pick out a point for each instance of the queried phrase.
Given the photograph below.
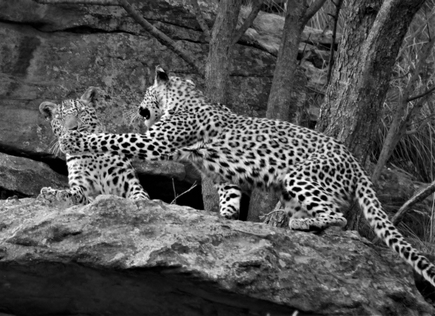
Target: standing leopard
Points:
(310, 170)
(88, 174)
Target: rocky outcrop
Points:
(151, 258)
(22, 177)
(53, 52)
(119, 257)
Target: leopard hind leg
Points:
(318, 209)
(134, 190)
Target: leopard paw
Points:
(50, 195)
(276, 218)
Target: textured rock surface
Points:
(50, 52)
(53, 52)
(118, 257)
(26, 177)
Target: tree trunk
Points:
(217, 73)
(352, 108)
(280, 105)
(373, 34)
(218, 67)
(286, 91)
(359, 16)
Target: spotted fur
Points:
(88, 174)
(310, 170)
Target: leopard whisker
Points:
(131, 116)
(54, 147)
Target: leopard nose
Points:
(71, 123)
(145, 113)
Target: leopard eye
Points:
(145, 113)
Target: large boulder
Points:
(22, 177)
(120, 257)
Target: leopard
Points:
(314, 174)
(89, 175)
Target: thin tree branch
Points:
(179, 195)
(430, 90)
(248, 21)
(200, 18)
(420, 196)
(314, 7)
(90, 2)
(160, 36)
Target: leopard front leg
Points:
(229, 200)
(128, 145)
(78, 195)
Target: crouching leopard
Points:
(88, 174)
(309, 169)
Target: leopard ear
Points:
(161, 76)
(90, 95)
(47, 109)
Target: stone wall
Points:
(53, 52)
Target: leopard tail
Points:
(385, 230)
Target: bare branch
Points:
(420, 196)
(314, 7)
(248, 21)
(175, 193)
(412, 201)
(428, 91)
(89, 2)
(161, 37)
(200, 18)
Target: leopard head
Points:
(73, 114)
(167, 96)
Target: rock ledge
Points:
(119, 257)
